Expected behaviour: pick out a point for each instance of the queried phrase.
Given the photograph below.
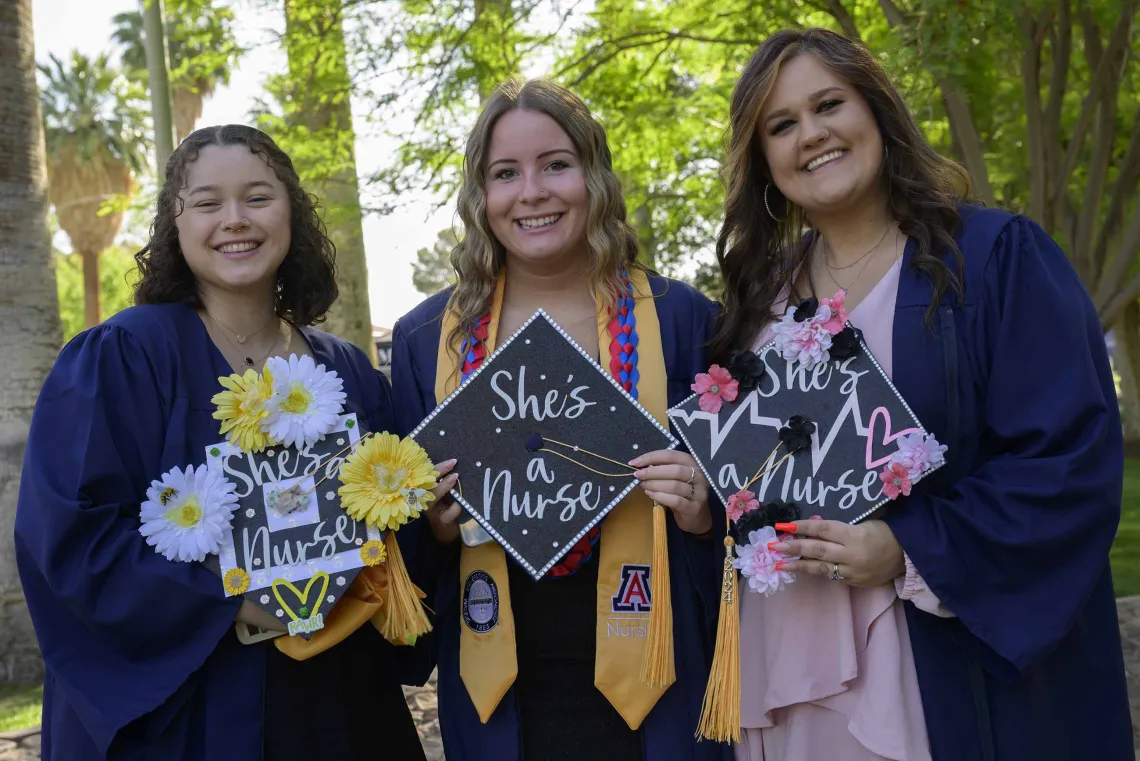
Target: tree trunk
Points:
(29, 310)
(1127, 361)
(91, 311)
(158, 72)
(318, 71)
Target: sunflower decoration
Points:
(386, 482)
(236, 582)
(373, 553)
(307, 400)
(243, 408)
(187, 513)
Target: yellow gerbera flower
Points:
(236, 581)
(242, 407)
(372, 552)
(376, 478)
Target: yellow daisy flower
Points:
(242, 407)
(372, 552)
(236, 581)
(376, 478)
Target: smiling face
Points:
(823, 146)
(234, 230)
(537, 201)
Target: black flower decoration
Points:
(768, 514)
(844, 344)
(806, 310)
(748, 370)
(796, 435)
(534, 442)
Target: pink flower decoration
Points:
(919, 453)
(896, 480)
(757, 563)
(806, 342)
(740, 503)
(715, 387)
(838, 319)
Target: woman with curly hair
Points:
(545, 225)
(141, 654)
(974, 620)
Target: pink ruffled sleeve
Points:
(910, 586)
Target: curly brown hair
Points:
(759, 255)
(306, 279)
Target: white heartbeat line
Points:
(719, 434)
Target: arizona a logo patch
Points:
(633, 591)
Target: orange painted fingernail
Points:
(788, 528)
(780, 566)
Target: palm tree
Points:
(94, 125)
(28, 307)
(201, 47)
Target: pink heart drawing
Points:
(888, 437)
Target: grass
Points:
(1125, 553)
(20, 706)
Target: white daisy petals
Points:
(187, 513)
(307, 401)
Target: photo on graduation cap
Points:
(543, 436)
(808, 425)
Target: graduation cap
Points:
(543, 436)
(834, 437)
(291, 545)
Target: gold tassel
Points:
(405, 620)
(720, 711)
(657, 670)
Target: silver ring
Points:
(835, 572)
(692, 491)
(692, 475)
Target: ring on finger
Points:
(835, 572)
(692, 476)
(692, 491)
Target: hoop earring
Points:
(768, 207)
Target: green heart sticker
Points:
(214, 451)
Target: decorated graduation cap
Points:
(809, 425)
(543, 436)
(294, 503)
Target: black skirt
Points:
(343, 704)
(562, 714)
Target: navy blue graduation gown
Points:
(1013, 533)
(667, 734)
(141, 657)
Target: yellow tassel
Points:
(720, 711)
(405, 620)
(658, 670)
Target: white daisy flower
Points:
(187, 513)
(307, 401)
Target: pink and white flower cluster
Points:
(808, 339)
(918, 453)
(760, 565)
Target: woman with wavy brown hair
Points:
(974, 620)
(142, 653)
(545, 225)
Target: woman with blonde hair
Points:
(545, 225)
(974, 620)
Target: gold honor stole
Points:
(488, 662)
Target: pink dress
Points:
(827, 672)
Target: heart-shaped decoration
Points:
(320, 577)
(888, 437)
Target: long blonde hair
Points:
(479, 256)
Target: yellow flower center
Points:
(186, 516)
(389, 479)
(298, 401)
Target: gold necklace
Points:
(240, 338)
(247, 361)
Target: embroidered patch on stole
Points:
(480, 602)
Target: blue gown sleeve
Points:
(1015, 546)
(120, 626)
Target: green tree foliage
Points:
(117, 275)
(431, 271)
